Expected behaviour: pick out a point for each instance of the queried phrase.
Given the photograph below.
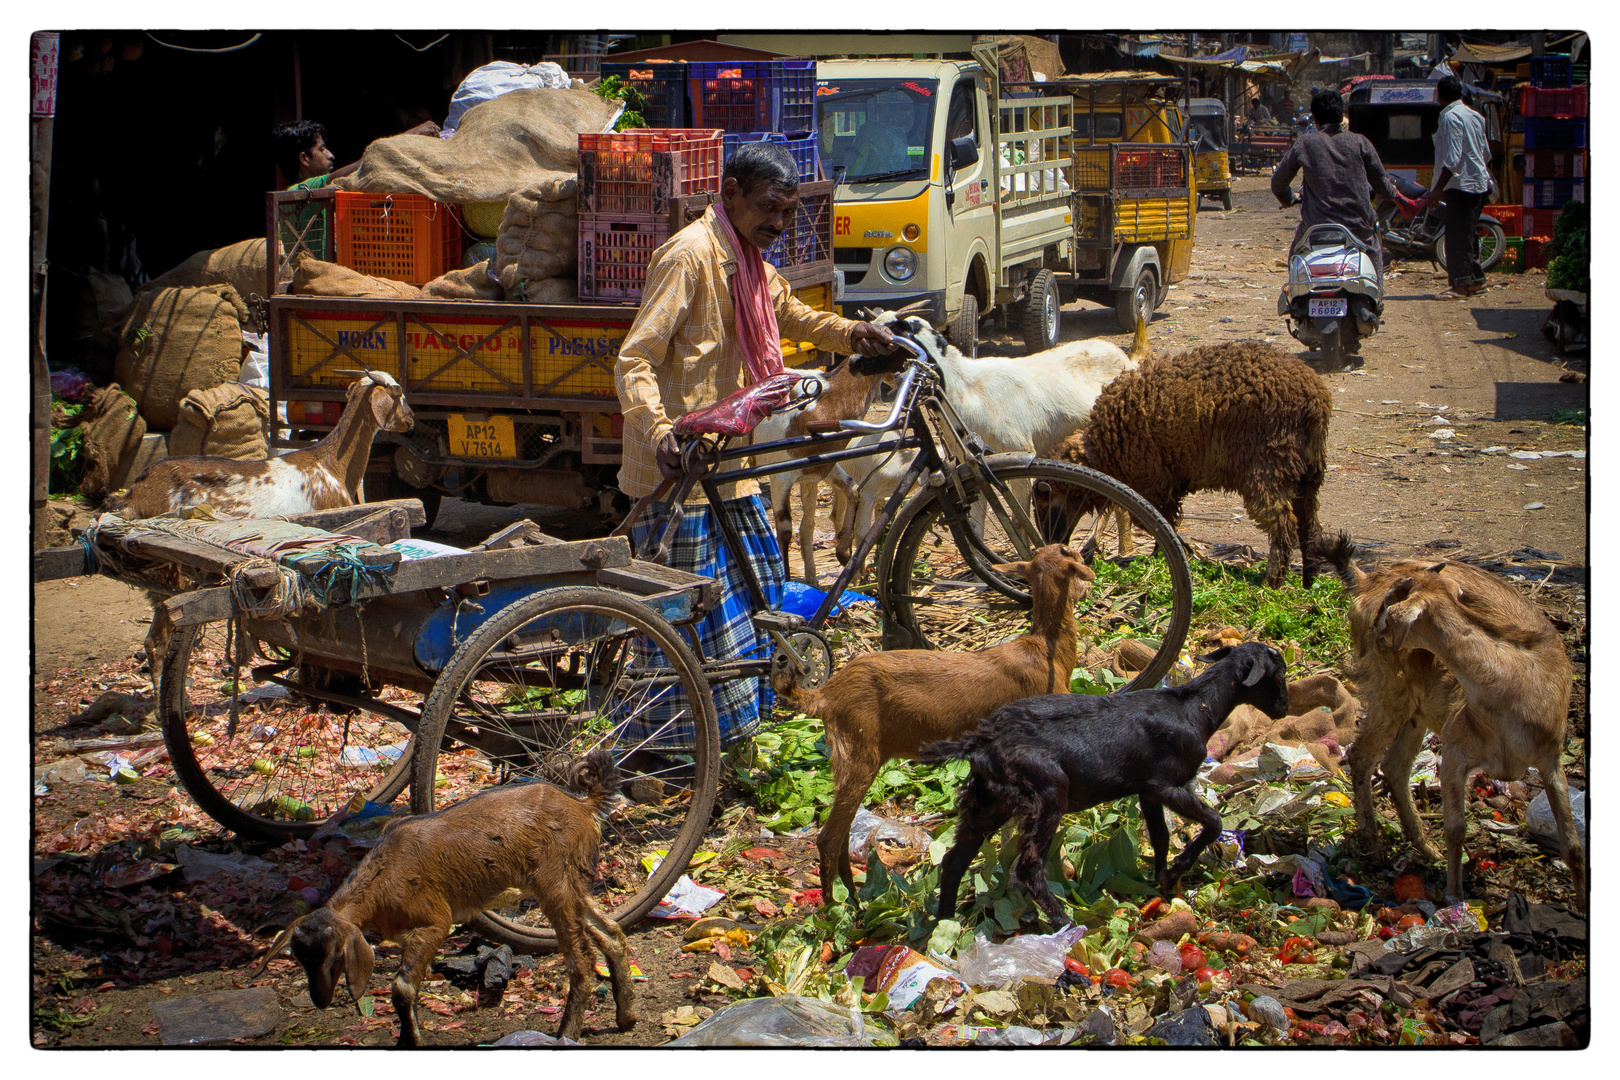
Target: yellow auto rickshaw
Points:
(1206, 132)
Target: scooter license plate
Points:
(1329, 308)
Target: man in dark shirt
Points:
(1341, 172)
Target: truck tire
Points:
(963, 331)
(1142, 297)
(1041, 314)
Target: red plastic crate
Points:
(1554, 164)
(1510, 217)
(1150, 168)
(613, 255)
(1540, 101)
(638, 176)
(1535, 255)
(1539, 221)
(401, 237)
(737, 95)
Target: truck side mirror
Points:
(964, 152)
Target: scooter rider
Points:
(1339, 165)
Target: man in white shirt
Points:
(1462, 170)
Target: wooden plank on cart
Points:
(53, 563)
(337, 519)
(213, 605)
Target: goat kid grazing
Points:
(429, 873)
(889, 704)
(1243, 417)
(1044, 757)
(1446, 647)
(325, 476)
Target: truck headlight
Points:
(900, 263)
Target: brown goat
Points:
(1446, 647)
(890, 704)
(432, 872)
(1243, 417)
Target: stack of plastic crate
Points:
(627, 181)
(663, 85)
(760, 101)
(1555, 116)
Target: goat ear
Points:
(276, 947)
(1013, 569)
(358, 960)
(1215, 657)
(382, 406)
(1257, 671)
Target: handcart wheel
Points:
(556, 675)
(289, 762)
(942, 592)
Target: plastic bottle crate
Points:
(1554, 164)
(639, 170)
(1551, 72)
(737, 95)
(401, 237)
(1535, 253)
(664, 84)
(1512, 260)
(1543, 102)
(804, 150)
(808, 239)
(1553, 193)
(1510, 217)
(794, 108)
(613, 255)
(1543, 133)
(1150, 168)
(1539, 222)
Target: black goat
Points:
(1043, 757)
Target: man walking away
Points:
(1462, 171)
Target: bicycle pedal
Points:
(781, 621)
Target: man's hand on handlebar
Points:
(668, 453)
(870, 339)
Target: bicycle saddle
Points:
(740, 413)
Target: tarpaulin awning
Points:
(1280, 68)
(1356, 59)
(1489, 54)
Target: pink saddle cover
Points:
(740, 413)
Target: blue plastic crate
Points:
(1548, 133)
(794, 109)
(1552, 194)
(665, 87)
(1550, 72)
(803, 150)
(809, 238)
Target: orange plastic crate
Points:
(636, 173)
(401, 237)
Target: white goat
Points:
(325, 476)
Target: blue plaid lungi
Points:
(727, 632)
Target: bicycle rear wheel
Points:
(287, 763)
(559, 674)
(941, 589)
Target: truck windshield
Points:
(876, 128)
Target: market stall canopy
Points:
(1280, 68)
(1488, 54)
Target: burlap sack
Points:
(512, 143)
(472, 283)
(112, 436)
(227, 421)
(555, 290)
(176, 341)
(240, 265)
(312, 277)
(540, 234)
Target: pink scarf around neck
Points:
(751, 300)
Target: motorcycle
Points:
(1412, 231)
(1333, 298)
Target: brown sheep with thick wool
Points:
(1243, 417)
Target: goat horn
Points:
(916, 307)
(346, 371)
(275, 950)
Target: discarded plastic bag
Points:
(870, 828)
(687, 900)
(1539, 822)
(532, 1038)
(201, 864)
(803, 600)
(216, 1017)
(900, 972)
(1040, 955)
(789, 1021)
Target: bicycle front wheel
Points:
(559, 674)
(942, 591)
